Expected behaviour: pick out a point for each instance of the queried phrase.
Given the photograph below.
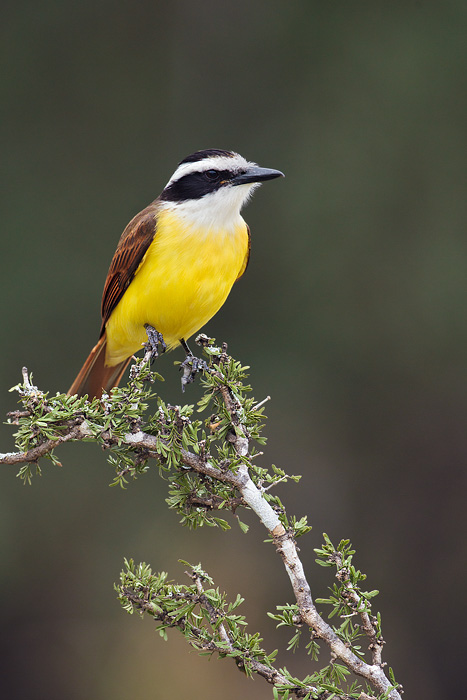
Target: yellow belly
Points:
(183, 280)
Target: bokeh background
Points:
(352, 317)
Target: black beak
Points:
(255, 174)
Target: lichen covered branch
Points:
(211, 466)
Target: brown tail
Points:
(95, 376)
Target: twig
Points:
(35, 453)
(261, 403)
(376, 643)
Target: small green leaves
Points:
(348, 601)
(27, 471)
(208, 621)
(288, 615)
(299, 527)
(243, 526)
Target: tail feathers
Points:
(94, 376)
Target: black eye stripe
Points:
(196, 185)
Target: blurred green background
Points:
(351, 315)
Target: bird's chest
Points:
(194, 263)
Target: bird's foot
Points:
(190, 366)
(155, 340)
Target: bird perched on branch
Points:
(175, 264)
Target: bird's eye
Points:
(212, 174)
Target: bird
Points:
(174, 265)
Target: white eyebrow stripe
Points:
(215, 163)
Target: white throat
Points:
(217, 210)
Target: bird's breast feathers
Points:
(182, 281)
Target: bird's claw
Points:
(190, 366)
(155, 339)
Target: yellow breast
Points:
(183, 280)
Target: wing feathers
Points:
(95, 375)
(133, 244)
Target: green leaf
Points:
(243, 526)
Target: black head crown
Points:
(207, 153)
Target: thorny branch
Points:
(250, 494)
(269, 674)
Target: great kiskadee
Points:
(175, 263)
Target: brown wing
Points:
(247, 256)
(132, 246)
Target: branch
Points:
(172, 438)
(78, 432)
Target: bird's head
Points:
(211, 186)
